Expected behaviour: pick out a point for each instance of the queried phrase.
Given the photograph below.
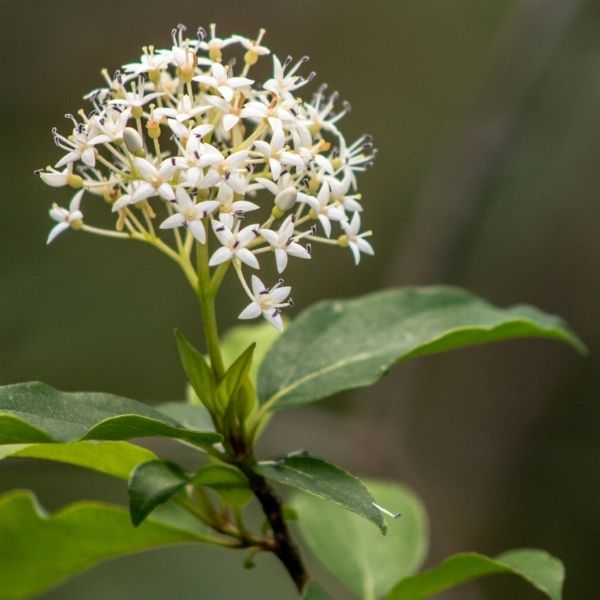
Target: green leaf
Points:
(358, 555)
(234, 377)
(344, 344)
(36, 412)
(326, 481)
(196, 369)
(45, 550)
(228, 482)
(152, 484)
(238, 338)
(112, 458)
(314, 591)
(190, 415)
(539, 568)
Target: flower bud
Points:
(133, 140)
(286, 198)
(153, 129)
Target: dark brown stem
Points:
(285, 549)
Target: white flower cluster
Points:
(180, 133)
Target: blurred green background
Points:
(487, 118)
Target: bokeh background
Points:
(487, 118)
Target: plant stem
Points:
(285, 549)
(282, 544)
(207, 308)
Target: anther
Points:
(201, 34)
(291, 304)
(287, 61)
(309, 248)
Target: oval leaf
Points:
(36, 412)
(152, 484)
(366, 562)
(539, 568)
(325, 481)
(118, 459)
(196, 369)
(47, 549)
(352, 343)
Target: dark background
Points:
(487, 117)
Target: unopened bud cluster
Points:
(184, 141)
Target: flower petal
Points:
(247, 257)
(220, 256)
(251, 311)
(177, 220)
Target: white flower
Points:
(234, 244)
(55, 178)
(183, 53)
(190, 214)
(185, 110)
(231, 112)
(282, 83)
(220, 80)
(339, 193)
(226, 170)
(284, 242)
(280, 187)
(357, 157)
(228, 207)
(276, 155)
(276, 113)
(253, 46)
(148, 63)
(194, 157)
(79, 145)
(215, 44)
(324, 211)
(110, 123)
(184, 132)
(320, 112)
(355, 240)
(136, 98)
(156, 179)
(267, 302)
(65, 218)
